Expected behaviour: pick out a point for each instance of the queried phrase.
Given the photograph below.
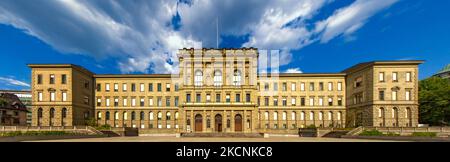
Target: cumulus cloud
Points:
(141, 36)
(294, 70)
(12, 81)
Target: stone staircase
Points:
(241, 135)
(336, 134)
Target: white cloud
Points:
(349, 19)
(294, 70)
(11, 81)
(139, 34)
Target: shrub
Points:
(391, 134)
(312, 126)
(91, 122)
(371, 133)
(38, 133)
(103, 127)
(424, 134)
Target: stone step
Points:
(244, 135)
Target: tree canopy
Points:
(434, 100)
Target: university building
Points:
(220, 90)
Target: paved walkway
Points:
(206, 139)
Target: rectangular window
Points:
(116, 102)
(358, 82)
(394, 95)
(208, 97)
(167, 101)
(39, 96)
(52, 78)
(408, 95)
(159, 101)
(330, 86)
(381, 95)
(330, 101)
(293, 86)
(125, 101)
(99, 87)
(311, 101)
(284, 88)
(63, 79)
(247, 97)
(167, 87)
(133, 87)
(176, 87)
(275, 86)
(381, 77)
(321, 86)
(198, 98)
(340, 101)
(64, 96)
(311, 86)
(275, 102)
(39, 79)
(107, 102)
(116, 87)
(293, 101)
(124, 87)
(302, 101)
(217, 97)
(394, 76)
(99, 102)
(150, 87)
(150, 101)
(188, 97)
(266, 86)
(107, 87)
(266, 101)
(141, 103)
(159, 87)
(320, 101)
(176, 101)
(133, 102)
(141, 87)
(302, 86)
(284, 102)
(52, 96)
(227, 98)
(339, 86)
(238, 97)
(408, 76)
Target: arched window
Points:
(407, 114)
(302, 115)
(160, 115)
(284, 115)
(99, 115)
(237, 78)
(142, 116)
(275, 115)
(133, 115)
(52, 112)
(116, 115)
(40, 113)
(217, 78)
(198, 79)
(380, 112)
(293, 115)
(107, 115)
(125, 115)
(176, 115)
(330, 115)
(150, 116)
(311, 115)
(339, 116)
(64, 113)
(266, 115)
(321, 115)
(168, 116)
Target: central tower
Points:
(219, 89)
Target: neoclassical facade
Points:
(220, 90)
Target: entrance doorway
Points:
(238, 123)
(198, 123)
(218, 123)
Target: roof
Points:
(78, 67)
(11, 102)
(135, 75)
(303, 74)
(382, 62)
(446, 69)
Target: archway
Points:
(238, 123)
(198, 123)
(218, 123)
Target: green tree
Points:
(434, 100)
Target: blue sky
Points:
(141, 36)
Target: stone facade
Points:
(219, 90)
